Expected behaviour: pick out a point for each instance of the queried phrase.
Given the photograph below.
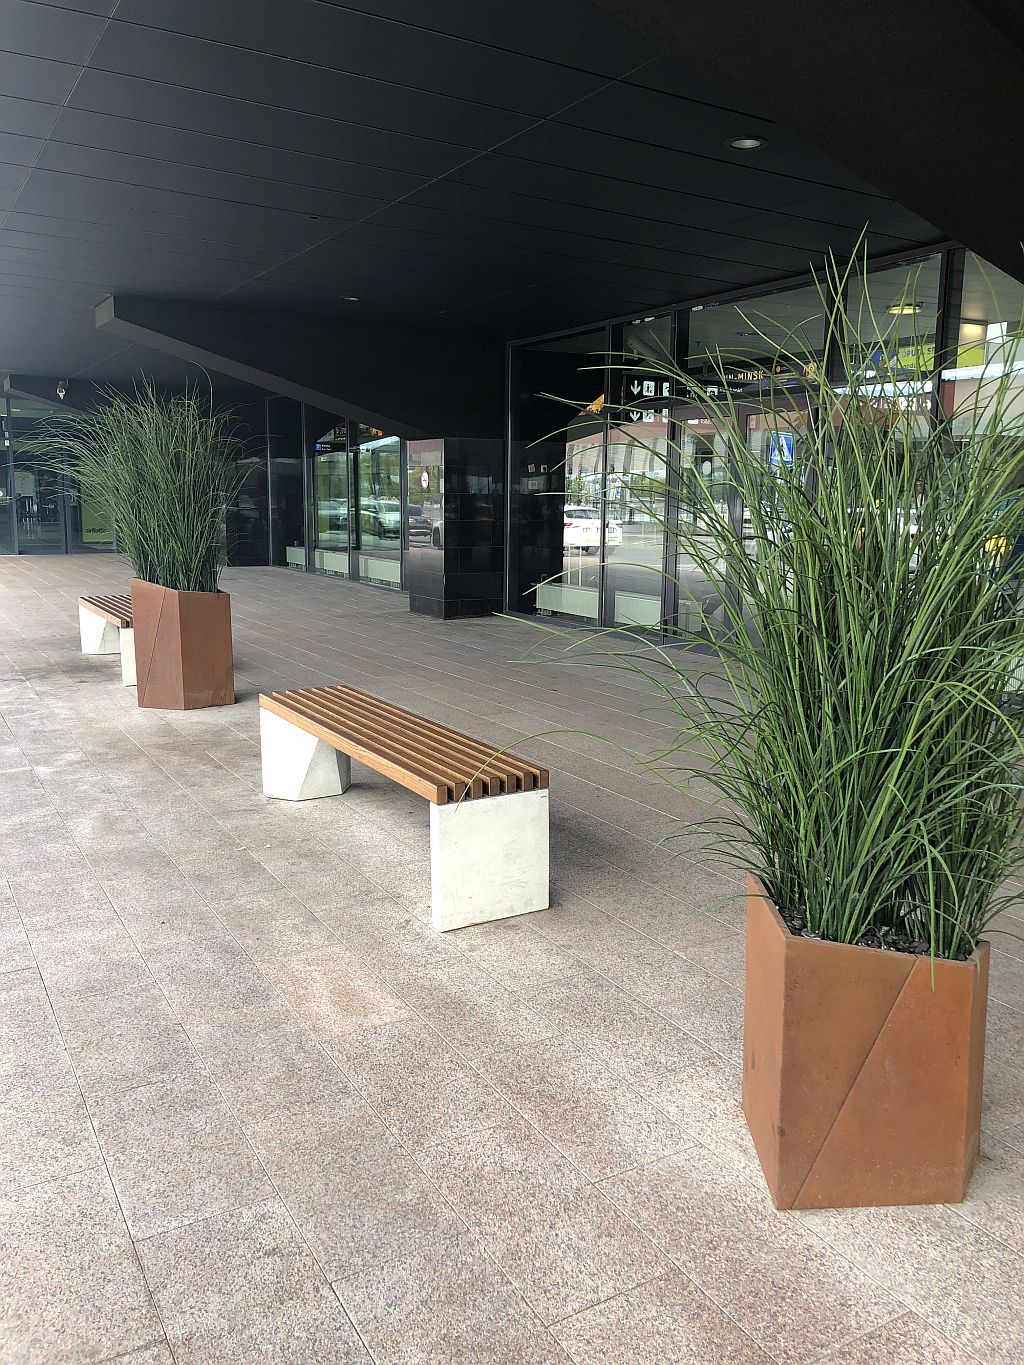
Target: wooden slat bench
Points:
(105, 622)
(488, 810)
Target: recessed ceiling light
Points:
(746, 144)
(902, 309)
(350, 298)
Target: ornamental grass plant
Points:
(859, 722)
(167, 467)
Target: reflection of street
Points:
(635, 567)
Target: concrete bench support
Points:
(127, 634)
(489, 859)
(297, 766)
(489, 855)
(99, 636)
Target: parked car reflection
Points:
(420, 525)
(582, 531)
(381, 517)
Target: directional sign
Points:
(638, 387)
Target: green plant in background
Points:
(859, 729)
(166, 467)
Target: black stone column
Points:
(460, 571)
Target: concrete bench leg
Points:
(297, 766)
(128, 676)
(488, 859)
(99, 636)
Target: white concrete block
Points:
(488, 859)
(297, 766)
(99, 636)
(128, 675)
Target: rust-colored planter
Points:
(182, 647)
(861, 1082)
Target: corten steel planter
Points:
(183, 650)
(861, 1082)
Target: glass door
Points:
(331, 492)
(381, 515)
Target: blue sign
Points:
(780, 448)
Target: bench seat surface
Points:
(115, 607)
(437, 763)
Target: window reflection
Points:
(331, 500)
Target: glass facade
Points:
(43, 511)
(592, 487)
(602, 459)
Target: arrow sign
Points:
(634, 387)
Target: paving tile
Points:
(176, 1154)
(266, 1063)
(273, 926)
(15, 950)
(28, 1030)
(517, 952)
(87, 956)
(555, 1235)
(588, 1111)
(70, 1282)
(242, 1286)
(963, 1281)
(45, 1131)
(208, 978)
(779, 1283)
(904, 1341)
(667, 1321)
(352, 1188)
(159, 1354)
(613, 1025)
(995, 1199)
(449, 1304)
(125, 1039)
(333, 993)
(704, 1097)
(421, 1088)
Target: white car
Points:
(582, 531)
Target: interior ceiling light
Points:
(350, 298)
(745, 144)
(902, 309)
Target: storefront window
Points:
(331, 493)
(287, 506)
(990, 350)
(555, 492)
(893, 313)
(636, 477)
(380, 508)
(7, 541)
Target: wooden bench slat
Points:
(398, 771)
(114, 607)
(473, 760)
(480, 753)
(438, 749)
(427, 758)
(303, 711)
(459, 778)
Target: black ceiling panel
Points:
(64, 34)
(344, 43)
(502, 169)
(569, 33)
(35, 78)
(247, 120)
(184, 149)
(237, 71)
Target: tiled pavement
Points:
(254, 1109)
